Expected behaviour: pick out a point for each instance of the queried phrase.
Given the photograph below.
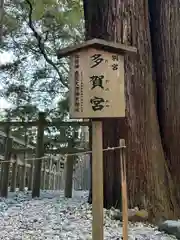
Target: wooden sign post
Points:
(97, 181)
(96, 80)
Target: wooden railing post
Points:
(18, 176)
(14, 175)
(124, 189)
(7, 130)
(43, 175)
(31, 176)
(54, 177)
(23, 167)
(49, 174)
(57, 174)
(6, 165)
(39, 155)
(69, 172)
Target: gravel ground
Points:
(53, 217)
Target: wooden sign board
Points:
(97, 91)
(96, 84)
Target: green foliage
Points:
(10, 23)
(34, 32)
(63, 12)
(34, 79)
(38, 9)
(24, 113)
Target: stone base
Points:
(170, 227)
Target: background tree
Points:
(165, 19)
(1, 17)
(149, 180)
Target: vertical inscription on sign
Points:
(98, 103)
(77, 89)
(82, 92)
(78, 106)
(115, 62)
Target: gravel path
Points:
(53, 217)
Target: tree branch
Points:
(41, 44)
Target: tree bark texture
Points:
(149, 181)
(1, 18)
(165, 33)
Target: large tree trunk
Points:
(1, 18)
(149, 181)
(165, 32)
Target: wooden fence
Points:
(39, 168)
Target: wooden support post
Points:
(59, 178)
(39, 155)
(46, 178)
(49, 174)
(17, 177)
(23, 167)
(42, 169)
(57, 174)
(22, 177)
(31, 175)
(28, 176)
(124, 189)
(7, 130)
(14, 176)
(1, 176)
(6, 165)
(52, 176)
(90, 164)
(2, 166)
(54, 181)
(69, 172)
(43, 174)
(97, 181)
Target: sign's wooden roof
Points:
(97, 44)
